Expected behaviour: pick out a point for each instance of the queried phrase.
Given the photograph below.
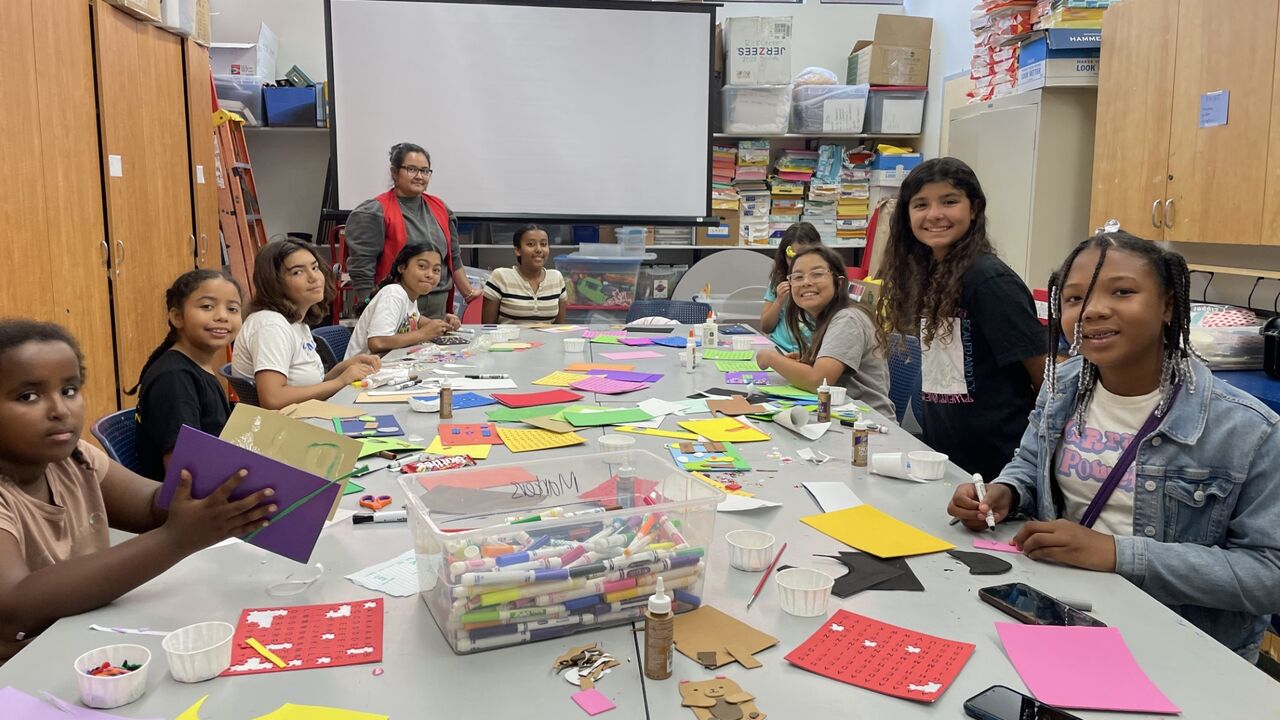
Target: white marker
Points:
(981, 489)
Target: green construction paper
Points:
(718, 354)
(606, 340)
(787, 391)
(518, 414)
(353, 487)
(619, 416)
(373, 446)
(737, 366)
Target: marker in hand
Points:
(981, 490)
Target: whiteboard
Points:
(574, 112)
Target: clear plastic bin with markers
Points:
(517, 553)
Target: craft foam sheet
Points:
(373, 446)
(20, 706)
(881, 657)
(520, 414)
(996, 545)
(737, 366)
(589, 334)
(724, 430)
(606, 416)
(584, 367)
(477, 452)
(300, 444)
(359, 427)
(701, 458)
(718, 354)
(306, 637)
(469, 434)
(637, 342)
(462, 401)
(627, 375)
(746, 378)
(605, 340)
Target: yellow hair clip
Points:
(791, 251)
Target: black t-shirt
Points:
(977, 393)
(175, 392)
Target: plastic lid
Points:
(660, 601)
(861, 425)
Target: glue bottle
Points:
(690, 353)
(446, 400)
(710, 337)
(659, 635)
(824, 402)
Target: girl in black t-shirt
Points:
(179, 382)
(982, 344)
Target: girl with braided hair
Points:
(1137, 460)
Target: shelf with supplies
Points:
(282, 129)
(813, 136)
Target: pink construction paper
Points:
(635, 342)
(597, 333)
(996, 545)
(1084, 668)
(759, 339)
(592, 701)
(632, 355)
(605, 386)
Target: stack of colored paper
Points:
(755, 201)
(854, 204)
(724, 160)
(1072, 14)
(994, 66)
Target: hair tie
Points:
(791, 251)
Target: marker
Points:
(362, 470)
(416, 457)
(413, 380)
(980, 488)
(381, 516)
(490, 376)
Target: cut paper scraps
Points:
(746, 378)
(548, 397)
(981, 563)
(477, 452)
(996, 546)
(707, 457)
(733, 405)
(373, 446)
(1086, 668)
(713, 639)
(518, 440)
(304, 637)
(883, 658)
(873, 531)
(304, 500)
(364, 426)
(724, 430)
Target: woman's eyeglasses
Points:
(425, 172)
(813, 276)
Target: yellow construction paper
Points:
(521, 440)
(872, 531)
(511, 346)
(657, 433)
(560, 378)
(477, 452)
(724, 429)
(289, 711)
(193, 712)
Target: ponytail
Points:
(174, 298)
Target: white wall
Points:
(952, 51)
(298, 24)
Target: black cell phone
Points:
(1000, 703)
(1030, 606)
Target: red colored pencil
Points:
(768, 571)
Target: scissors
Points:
(375, 502)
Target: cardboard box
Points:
(178, 16)
(247, 58)
(609, 234)
(1060, 58)
(290, 106)
(758, 49)
(899, 55)
(1067, 72)
(891, 170)
(203, 35)
(148, 10)
(726, 233)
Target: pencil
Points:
(768, 571)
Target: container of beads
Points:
(111, 676)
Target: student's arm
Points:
(130, 499)
(489, 310)
(275, 392)
(366, 234)
(32, 601)
(564, 305)
(1014, 491)
(372, 364)
(428, 329)
(459, 272)
(771, 315)
(1035, 368)
(802, 375)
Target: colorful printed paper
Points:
(358, 427)
(873, 531)
(304, 500)
(560, 378)
(746, 378)
(881, 657)
(520, 440)
(718, 354)
(548, 397)
(632, 355)
(1086, 668)
(452, 434)
(607, 386)
(477, 452)
(737, 366)
(308, 636)
(724, 429)
(613, 416)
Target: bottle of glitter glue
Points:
(446, 400)
(659, 634)
(824, 402)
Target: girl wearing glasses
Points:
(778, 296)
(836, 334)
(379, 228)
(982, 346)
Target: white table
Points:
(424, 679)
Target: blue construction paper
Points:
(462, 401)
(211, 461)
(675, 342)
(355, 427)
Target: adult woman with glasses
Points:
(405, 214)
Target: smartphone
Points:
(1033, 607)
(1000, 703)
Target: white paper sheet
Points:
(397, 577)
(657, 407)
(832, 496)
(797, 420)
(740, 503)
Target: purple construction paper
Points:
(742, 378)
(211, 461)
(636, 342)
(627, 375)
(16, 704)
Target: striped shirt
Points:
(518, 303)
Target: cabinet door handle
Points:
(119, 256)
(1155, 208)
(106, 254)
(1168, 213)
(204, 246)
(195, 247)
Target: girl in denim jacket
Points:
(1191, 512)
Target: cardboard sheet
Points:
(707, 630)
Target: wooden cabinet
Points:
(1156, 170)
(204, 188)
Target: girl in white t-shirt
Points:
(275, 347)
(391, 320)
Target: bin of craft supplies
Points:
(600, 283)
(529, 551)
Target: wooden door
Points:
(1135, 96)
(51, 192)
(204, 190)
(1217, 175)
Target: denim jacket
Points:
(1206, 517)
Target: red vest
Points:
(394, 235)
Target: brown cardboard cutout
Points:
(733, 405)
(719, 699)
(707, 630)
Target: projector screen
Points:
(594, 112)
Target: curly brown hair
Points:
(916, 286)
(268, 283)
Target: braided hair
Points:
(1171, 271)
(174, 298)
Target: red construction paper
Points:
(547, 397)
(468, 434)
(308, 636)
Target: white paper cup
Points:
(741, 342)
(575, 345)
(750, 550)
(198, 652)
(613, 442)
(892, 465)
(424, 403)
(839, 394)
(112, 691)
(927, 465)
(803, 592)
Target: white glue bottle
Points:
(824, 402)
(710, 333)
(659, 629)
(690, 353)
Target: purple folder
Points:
(211, 461)
(627, 375)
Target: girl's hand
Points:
(356, 371)
(432, 328)
(1068, 543)
(197, 524)
(452, 321)
(783, 290)
(973, 515)
(372, 361)
(766, 357)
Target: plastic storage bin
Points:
(485, 591)
(828, 108)
(241, 94)
(757, 108)
(657, 282)
(631, 240)
(895, 110)
(600, 283)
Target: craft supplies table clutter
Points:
(419, 674)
